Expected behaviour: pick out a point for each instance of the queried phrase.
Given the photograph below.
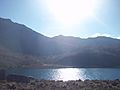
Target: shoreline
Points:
(21, 82)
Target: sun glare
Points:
(70, 74)
(71, 12)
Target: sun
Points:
(71, 12)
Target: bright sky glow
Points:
(81, 18)
(71, 12)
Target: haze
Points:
(81, 18)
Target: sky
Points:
(79, 18)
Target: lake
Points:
(66, 74)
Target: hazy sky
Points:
(82, 18)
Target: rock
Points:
(11, 86)
(18, 78)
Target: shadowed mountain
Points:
(19, 38)
(92, 52)
(20, 45)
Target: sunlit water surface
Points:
(66, 74)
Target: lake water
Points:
(69, 73)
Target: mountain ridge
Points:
(29, 47)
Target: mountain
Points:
(92, 52)
(19, 38)
(21, 46)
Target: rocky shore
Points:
(20, 82)
(62, 85)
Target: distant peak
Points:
(102, 37)
(62, 37)
(99, 37)
(65, 36)
(59, 36)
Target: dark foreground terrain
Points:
(62, 85)
(20, 82)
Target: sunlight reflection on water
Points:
(69, 74)
(66, 74)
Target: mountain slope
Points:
(20, 46)
(92, 52)
(22, 39)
